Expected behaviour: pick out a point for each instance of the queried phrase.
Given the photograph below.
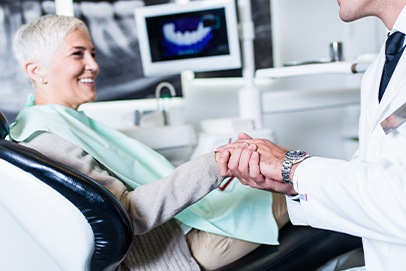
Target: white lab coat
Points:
(366, 196)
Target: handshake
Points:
(259, 163)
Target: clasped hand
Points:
(255, 162)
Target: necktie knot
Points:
(394, 45)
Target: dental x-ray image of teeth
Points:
(192, 35)
(114, 33)
(185, 42)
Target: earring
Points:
(43, 81)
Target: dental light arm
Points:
(340, 67)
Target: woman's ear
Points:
(34, 71)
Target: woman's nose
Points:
(91, 64)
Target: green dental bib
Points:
(239, 211)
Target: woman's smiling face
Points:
(72, 71)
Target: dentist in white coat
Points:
(365, 196)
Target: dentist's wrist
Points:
(291, 160)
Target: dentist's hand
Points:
(257, 163)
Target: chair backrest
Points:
(54, 217)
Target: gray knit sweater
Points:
(159, 243)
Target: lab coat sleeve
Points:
(358, 198)
(149, 205)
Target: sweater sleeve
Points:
(149, 205)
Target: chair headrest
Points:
(4, 128)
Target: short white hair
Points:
(37, 41)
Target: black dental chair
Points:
(55, 218)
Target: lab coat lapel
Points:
(370, 89)
(395, 94)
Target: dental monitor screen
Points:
(198, 36)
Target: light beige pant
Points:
(213, 251)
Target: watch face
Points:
(295, 155)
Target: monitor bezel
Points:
(198, 64)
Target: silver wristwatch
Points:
(291, 158)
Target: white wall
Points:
(303, 30)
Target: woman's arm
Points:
(149, 205)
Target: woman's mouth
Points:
(87, 80)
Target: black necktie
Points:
(393, 50)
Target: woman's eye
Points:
(77, 53)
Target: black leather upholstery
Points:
(4, 129)
(110, 222)
(301, 248)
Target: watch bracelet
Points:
(286, 167)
